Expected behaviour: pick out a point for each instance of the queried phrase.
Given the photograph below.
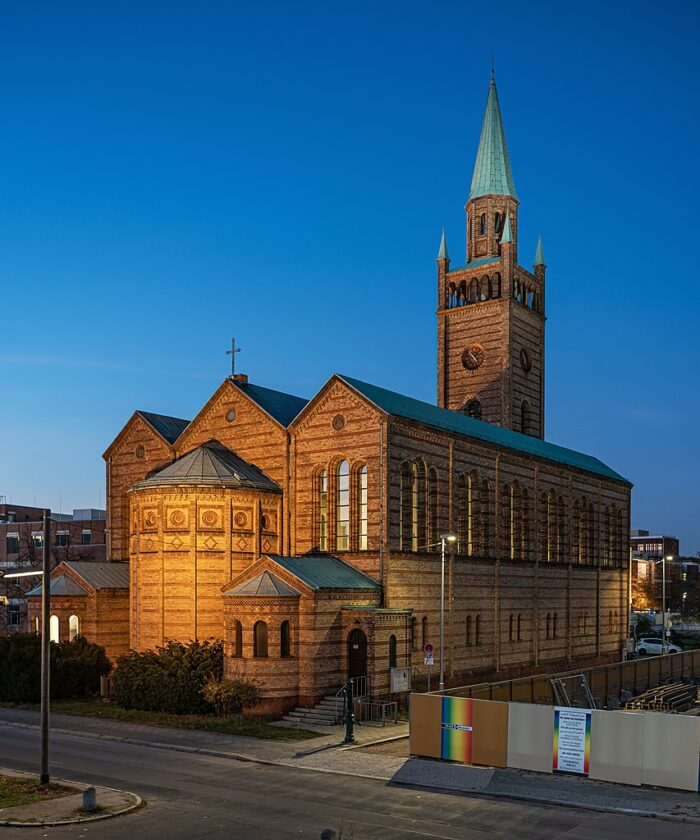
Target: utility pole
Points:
(45, 649)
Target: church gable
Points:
(233, 418)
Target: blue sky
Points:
(177, 173)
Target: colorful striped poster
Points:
(456, 729)
(572, 740)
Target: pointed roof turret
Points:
(539, 253)
(442, 253)
(492, 172)
(507, 235)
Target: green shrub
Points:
(169, 679)
(76, 668)
(230, 697)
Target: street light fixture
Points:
(45, 642)
(664, 642)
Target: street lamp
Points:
(664, 643)
(444, 539)
(45, 642)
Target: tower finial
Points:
(493, 72)
(442, 253)
(539, 253)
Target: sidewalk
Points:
(67, 810)
(327, 754)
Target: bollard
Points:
(89, 799)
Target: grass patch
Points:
(252, 727)
(21, 790)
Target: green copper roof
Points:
(539, 253)
(322, 571)
(507, 235)
(442, 253)
(492, 173)
(282, 407)
(476, 263)
(452, 421)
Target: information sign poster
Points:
(572, 740)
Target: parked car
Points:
(651, 645)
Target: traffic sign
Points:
(428, 660)
(428, 648)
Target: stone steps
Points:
(325, 713)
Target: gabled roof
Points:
(492, 173)
(452, 421)
(61, 585)
(210, 464)
(280, 406)
(167, 427)
(265, 584)
(323, 571)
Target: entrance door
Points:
(357, 654)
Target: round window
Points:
(338, 422)
(140, 451)
(231, 416)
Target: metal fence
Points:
(378, 712)
(608, 683)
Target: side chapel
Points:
(306, 533)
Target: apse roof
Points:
(282, 407)
(323, 571)
(211, 464)
(168, 427)
(264, 584)
(452, 421)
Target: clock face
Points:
(525, 360)
(473, 357)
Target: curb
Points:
(137, 803)
(630, 812)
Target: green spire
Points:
(539, 253)
(492, 173)
(442, 253)
(507, 235)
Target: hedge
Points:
(76, 668)
(169, 679)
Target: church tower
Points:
(490, 311)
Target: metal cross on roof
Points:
(232, 353)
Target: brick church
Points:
(306, 533)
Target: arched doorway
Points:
(357, 654)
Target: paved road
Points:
(194, 796)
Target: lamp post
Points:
(45, 572)
(663, 601)
(444, 539)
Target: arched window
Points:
(496, 285)
(575, 533)
(472, 512)
(433, 505)
(392, 651)
(237, 639)
(285, 639)
(485, 288)
(482, 224)
(497, 222)
(73, 627)
(474, 291)
(342, 507)
(462, 526)
(54, 629)
(592, 536)
(554, 626)
(561, 530)
(506, 522)
(525, 525)
(414, 633)
(260, 639)
(511, 627)
(516, 521)
(484, 519)
(468, 635)
(549, 625)
(525, 427)
(477, 630)
(473, 409)
(362, 509)
(519, 625)
(610, 621)
(323, 510)
(424, 631)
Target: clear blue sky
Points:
(177, 173)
